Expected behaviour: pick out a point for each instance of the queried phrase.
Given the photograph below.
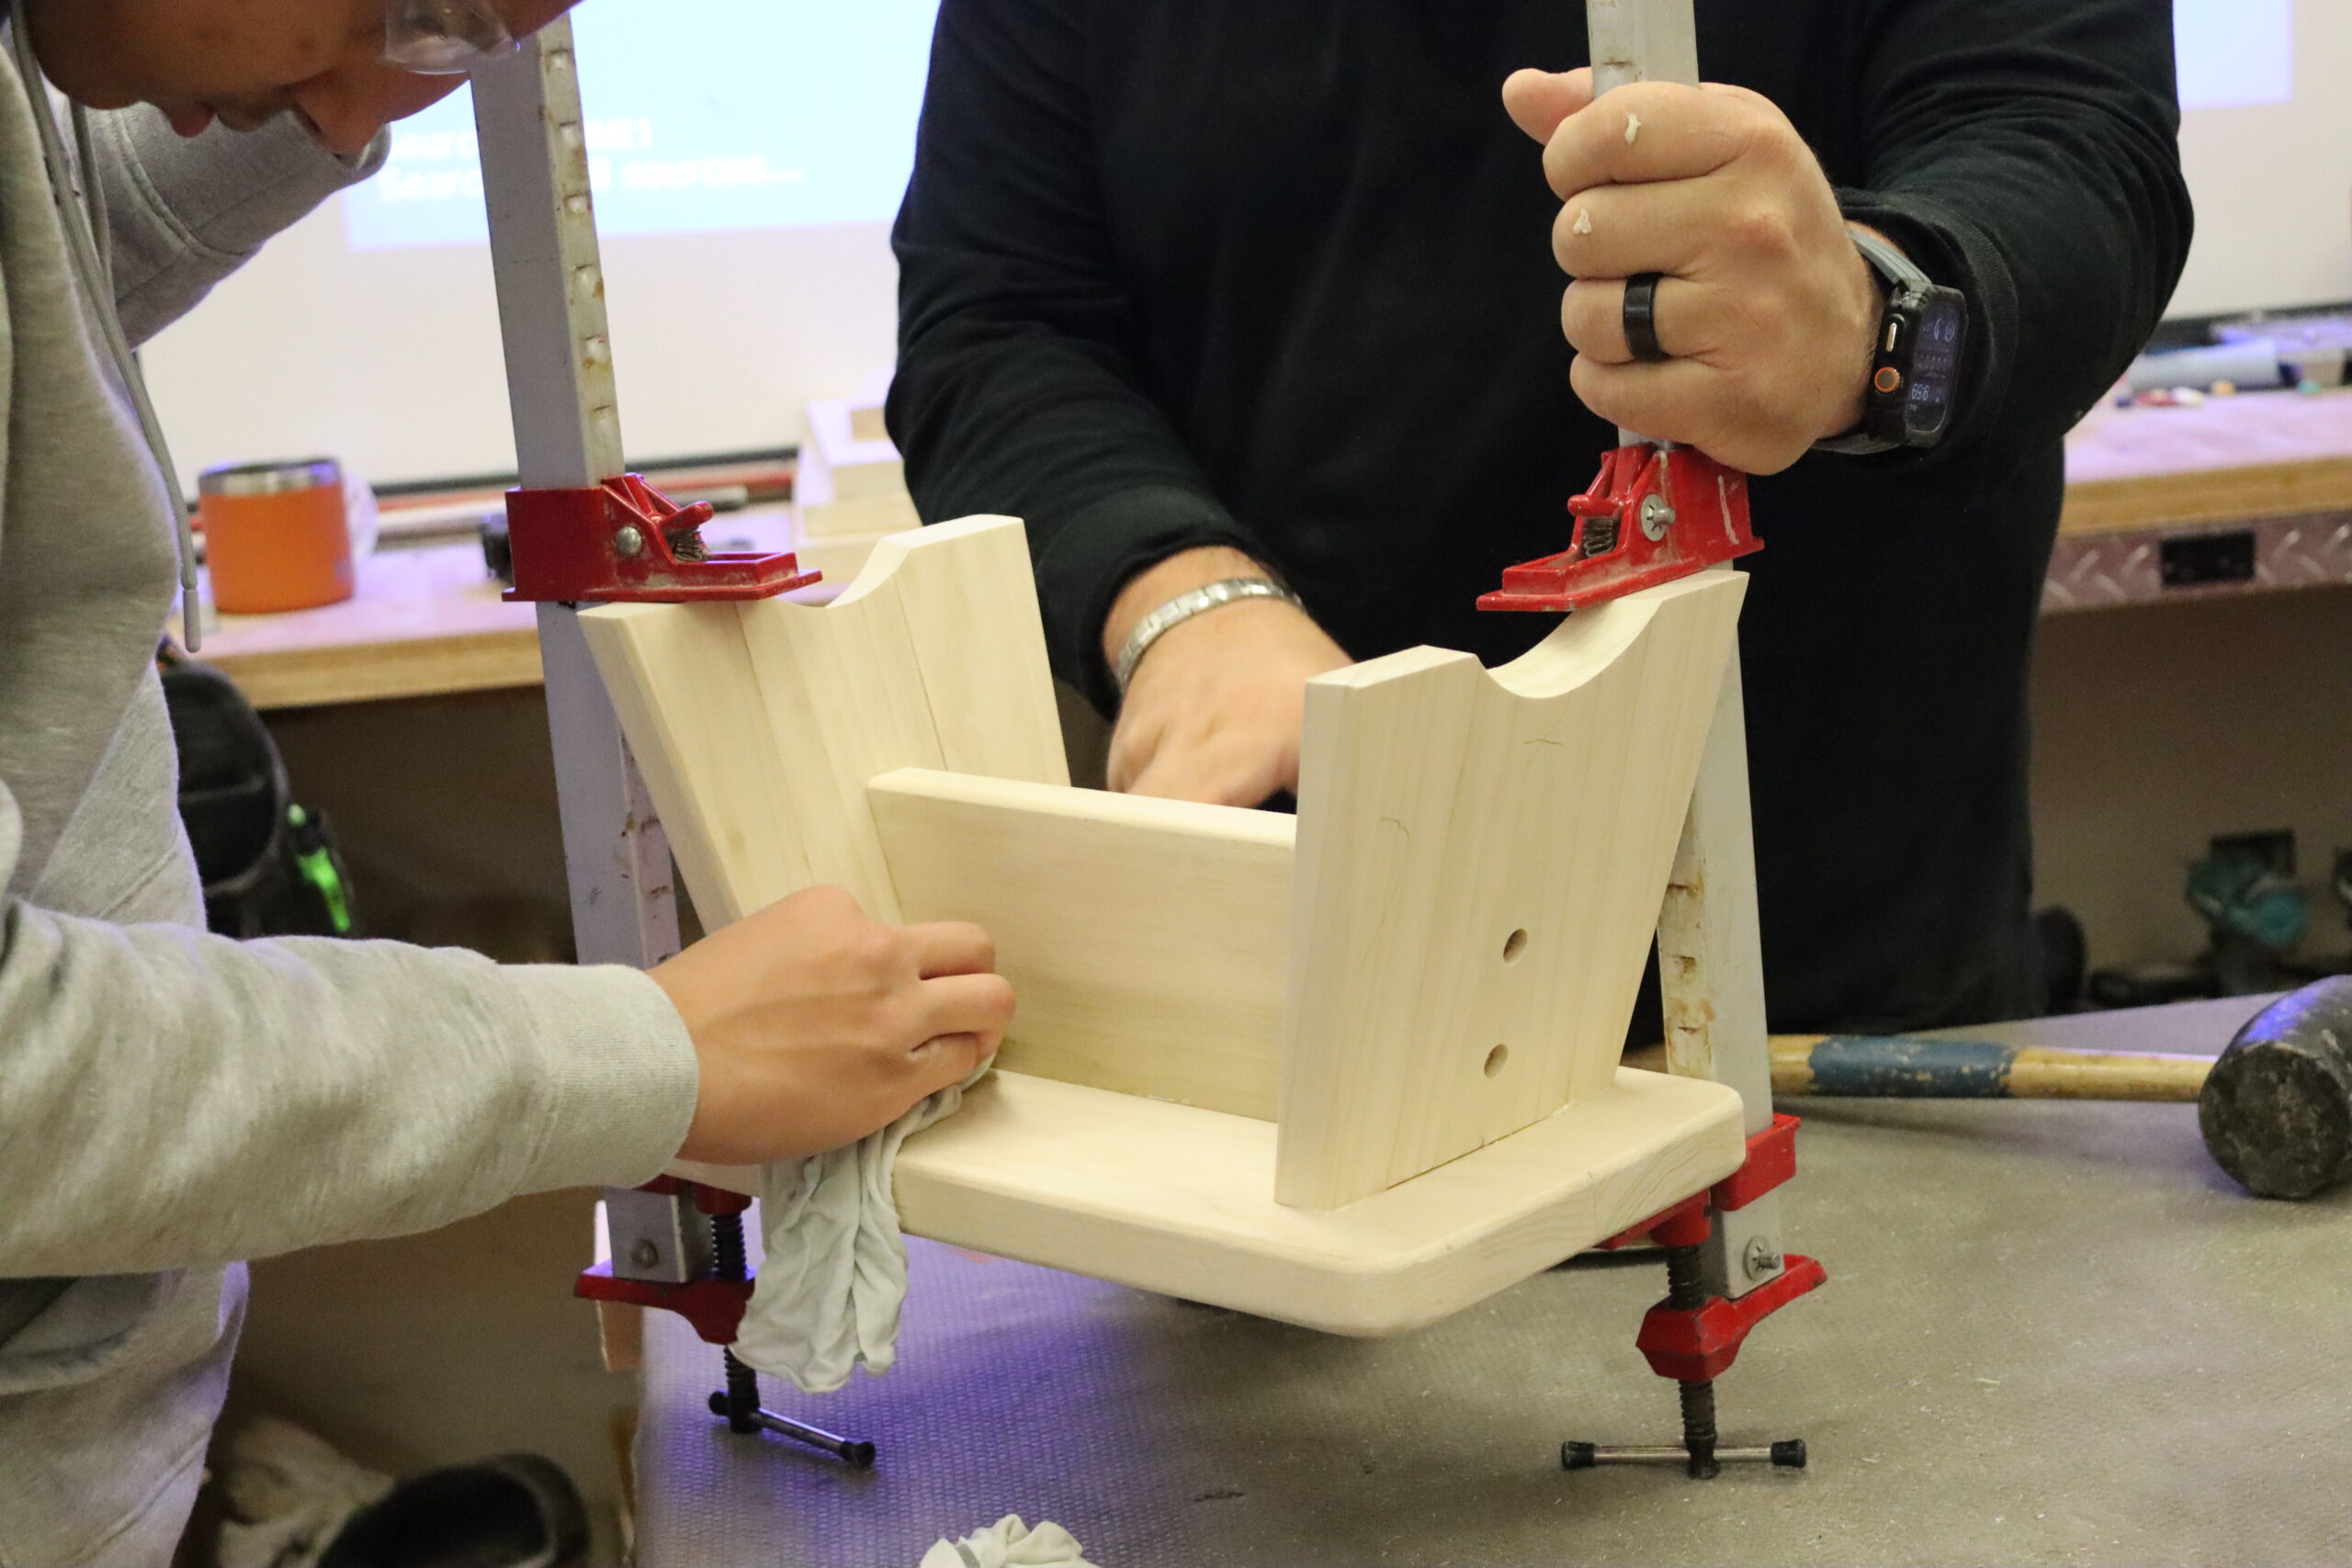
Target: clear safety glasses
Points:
(444, 38)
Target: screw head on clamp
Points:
(1657, 516)
(1760, 1258)
(628, 541)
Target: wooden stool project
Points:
(1356, 1069)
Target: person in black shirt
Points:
(1218, 289)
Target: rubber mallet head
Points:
(2277, 1111)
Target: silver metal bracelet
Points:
(1183, 608)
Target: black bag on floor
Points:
(270, 867)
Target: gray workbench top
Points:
(2053, 1333)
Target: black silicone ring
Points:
(1641, 318)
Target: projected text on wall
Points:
(773, 114)
(701, 115)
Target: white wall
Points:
(389, 359)
(2273, 183)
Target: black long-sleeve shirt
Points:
(1276, 274)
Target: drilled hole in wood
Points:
(1496, 1059)
(1513, 946)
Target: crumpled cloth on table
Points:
(829, 1292)
(1008, 1543)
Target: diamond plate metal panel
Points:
(2094, 571)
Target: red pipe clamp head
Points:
(1655, 514)
(624, 541)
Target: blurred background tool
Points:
(2256, 913)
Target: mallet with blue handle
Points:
(2275, 1107)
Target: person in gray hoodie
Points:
(171, 1102)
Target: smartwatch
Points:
(1915, 361)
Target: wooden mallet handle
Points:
(1898, 1067)
(1902, 1067)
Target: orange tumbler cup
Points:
(276, 535)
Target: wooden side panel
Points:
(1481, 860)
(1147, 939)
(680, 677)
(971, 604)
(758, 725)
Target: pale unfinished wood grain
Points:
(1147, 939)
(1481, 860)
(901, 742)
(428, 622)
(1175, 1198)
(848, 453)
(763, 721)
(681, 678)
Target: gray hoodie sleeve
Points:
(270, 1095)
(171, 1098)
(184, 212)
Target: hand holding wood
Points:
(815, 1026)
(1765, 306)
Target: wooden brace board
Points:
(1147, 939)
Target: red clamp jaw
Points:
(1699, 1347)
(624, 541)
(1693, 1336)
(1698, 1343)
(713, 1302)
(710, 1293)
(1654, 514)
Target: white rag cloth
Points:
(288, 1494)
(835, 1275)
(1008, 1543)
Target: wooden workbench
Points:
(2129, 470)
(428, 620)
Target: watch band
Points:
(1858, 445)
(1898, 272)
(1888, 262)
(1183, 608)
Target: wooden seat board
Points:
(1178, 1199)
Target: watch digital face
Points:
(1935, 362)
